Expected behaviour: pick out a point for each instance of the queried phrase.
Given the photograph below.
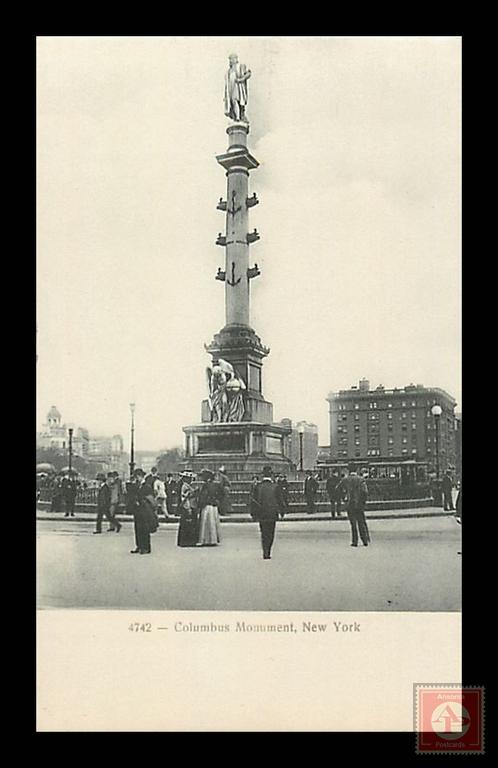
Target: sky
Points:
(358, 141)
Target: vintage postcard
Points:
(249, 421)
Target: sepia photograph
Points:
(248, 324)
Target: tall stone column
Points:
(237, 162)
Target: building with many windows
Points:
(302, 443)
(104, 453)
(379, 425)
(109, 452)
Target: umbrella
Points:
(45, 467)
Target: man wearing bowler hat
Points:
(267, 504)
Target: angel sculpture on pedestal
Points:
(226, 387)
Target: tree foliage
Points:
(169, 461)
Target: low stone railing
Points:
(387, 493)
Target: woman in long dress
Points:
(187, 530)
(209, 499)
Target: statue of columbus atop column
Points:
(236, 89)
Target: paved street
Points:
(412, 564)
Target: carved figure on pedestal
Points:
(226, 400)
(236, 89)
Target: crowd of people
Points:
(199, 505)
(63, 488)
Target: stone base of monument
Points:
(243, 448)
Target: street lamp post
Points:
(70, 430)
(300, 430)
(436, 411)
(132, 440)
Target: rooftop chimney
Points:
(364, 385)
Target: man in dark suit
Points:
(310, 489)
(267, 504)
(70, 489)
(356, 499)
(170, 487)
(104, 503)
(139, 495)
(334, 495)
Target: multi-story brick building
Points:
(392, 425)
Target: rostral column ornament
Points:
(236, 89)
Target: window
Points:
(389, 405)
(390, 452)
(403, 415)
(414, 450)
(429, 426)
(389, 416)
(429, 439)
(404, 450)
(414, 404)
(389, 427)
(357, 441)
(343, 441)
(357, 417)
(357, 453)
(414, 415)
(356, 427)
(356, 407)
(404, 427)
(414, 426)
(373, 405)
(404, 440)
(390, 440)
(429, 450)
(403, 404)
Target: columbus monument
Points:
(237, 429)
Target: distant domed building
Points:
(104, 453)
(54, 434)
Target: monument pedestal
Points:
(243, 448)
